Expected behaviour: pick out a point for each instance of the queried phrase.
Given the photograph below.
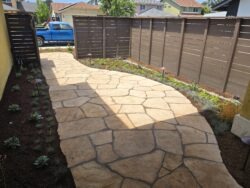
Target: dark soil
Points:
(17, 169)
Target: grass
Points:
(222, 114)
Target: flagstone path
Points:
(121, 130)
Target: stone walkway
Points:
(122, 130)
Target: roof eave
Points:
(221, 4)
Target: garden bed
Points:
(30, 154)
(218, 111)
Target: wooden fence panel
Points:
(217, 53)
(135, 39)
(240, 70)
(192, 49)
(172, 45)
(22, 37)
(145, 42)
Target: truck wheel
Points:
(40, 41)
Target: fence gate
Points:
(22, 37)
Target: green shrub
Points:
(35, 117)
(41, 161)
(14, 108)
(35, 93)
(18, 74)
(15, 88)
(12, 142)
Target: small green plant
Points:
(69, 48)
(18, 74)
(14, 108)
(15, 88)
(34, 93)
(39, 125)
(29, 78)
(194, 86)
(41, 161)
(50, 150)
(12, 142)
(35, 117)
(34, 103)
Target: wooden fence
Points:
(212, 52)
(22, 37)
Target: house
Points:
(21, 5)
(144, 5)
(9, 9)
(234, 7)
(153, 12)
(183, 7)
(5, 53)
(65, 11)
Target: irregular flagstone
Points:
(155, 94)
(133, 142)
(168, 141)
(80, 127)
(105, 153)
(137, 93)
(162, 87)
(172, 161)
(141, 121)
(101, 137)
(148, 83)
(128, 100)
(61, 88)
(143, 167)
(118, 121)
(180, 178)
(56, 105)
(86, 86)
(177, 100)
(75, 80)
(75, 102)
(211, 138)
(112, 92)
(62, 95)
(68, 114)
(132, 109)
(102, 100)
(190, 135)
(129, 183)
(174, 93)
(204, 151)
(161, 115)
(183, 109)
(142, 88)
(210, 174)
(157, 103)
(163, 172)
(195, 121)
(112, 108)
(125, 85)
(164, 126)
(56, 82)
(107, 86)
(76, 155)
(94, 175)
(86, 93)
(93, 110)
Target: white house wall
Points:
(244, 8)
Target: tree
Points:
(205, 10)
(48, 3)
(118, 7)
(42, 11)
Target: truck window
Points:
(65, 27)
(56, 26)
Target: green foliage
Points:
(14, 108)
(15, 88)
(41, 161)
(42, 11)
(206, 10)
(118, 7)
(12, 142)
(34, 93)
(18, 74)
(29, 78)
(69, 48)
(35, 117)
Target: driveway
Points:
(122, 130)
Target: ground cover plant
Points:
(30, 154)
(218, 111)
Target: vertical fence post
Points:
(181, 45)
(232, 53)
(164, 39)
(139, 47)
(104, 37)
(130, 37)
(75, 37)
(203, 48)
(117, 38)
(150, 40)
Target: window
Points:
(142, 7)
(65, 27)
(196, 10)
(56, 27)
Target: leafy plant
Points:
(35, 117)
(18, 74)
(41, 161)
(228, 110)
(15, 88)
(12, 142)
(35, 93)
(42, 11)
(118, 7)
(14, 108)
(29, 78)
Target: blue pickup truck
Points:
(55, 32)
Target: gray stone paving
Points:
(122, 130)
